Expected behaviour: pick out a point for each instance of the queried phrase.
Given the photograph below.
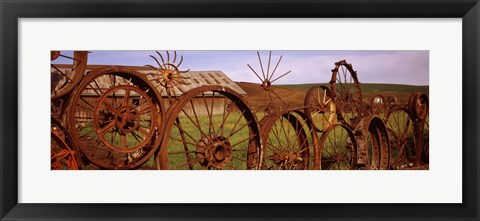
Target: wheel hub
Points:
(266, 85)
(286, 160)
(125, 119)
(214, 152)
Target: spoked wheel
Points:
(338, 148)
(168, 75)
(290, 142)
(210, 127)
(62, 151)
(378, 146)
(271, 100)
(320, 107)
(402, 139)
(392, 101)
(418, 105)
(347, 94)
(116, 118)
(64, 77)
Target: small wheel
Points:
(210, 127)
(125, 124)
(320, 107)
(116, 117)
(392, 101)
(271, 100)
(379, 105)
(168, 75)
(402, 138)
(62, 152)
(290, 141)
(346, 92)
(418, 105)
(338, 148)
(63, 81)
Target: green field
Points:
(370, 88)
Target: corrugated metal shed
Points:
(196, 79)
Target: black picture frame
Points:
(12, 10)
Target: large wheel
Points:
(418, 105)
(402, 138)
(63, 80)
(338, 148)
(290, 141)
(210, 127)
(116, 117)
(64, 155)
(378, 145)
(320, 107)
(346, 92)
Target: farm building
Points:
(193, 79)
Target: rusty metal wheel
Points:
(63, 153)
(378, 146)
(346, 92)
(320, 107)
(116, 117)
(63, 82)
(392, 101)
(290, 141)
(338, 148)
(272, 101)
(210, 127)
(402, 138)
(418, 105)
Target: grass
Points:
(233, 126)
(197, 131)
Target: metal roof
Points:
(195, 79)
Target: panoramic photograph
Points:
(240, 110)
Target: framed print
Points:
(149, 101)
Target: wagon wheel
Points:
(371, 137)
(63, 155)
(402, 139)
(379, 105)
(378, 146)
(210, 127)
(63, 82)
(418, 105)
(167, 74)
(116, 118)
(290, 141)
(392, 101)
(270, 98)
(346, 92)
(320, 107)
(338, 148)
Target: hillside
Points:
(294, 95)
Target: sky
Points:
(393, 67)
